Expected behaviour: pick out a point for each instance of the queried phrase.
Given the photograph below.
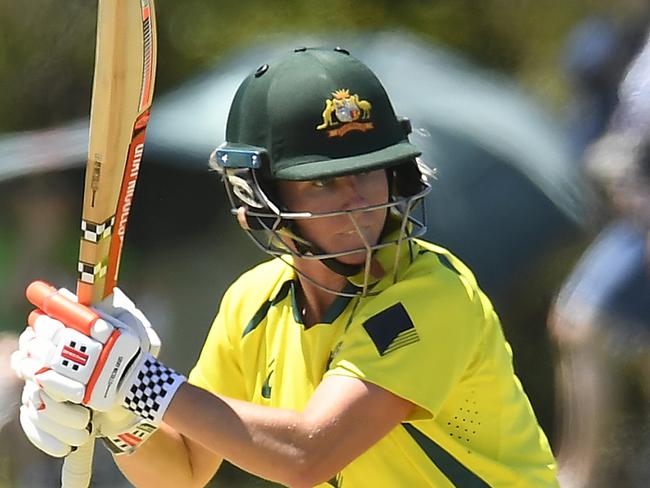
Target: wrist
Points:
(131, 438)
(153, 387)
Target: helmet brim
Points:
(316, 167)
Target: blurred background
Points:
(504, 98)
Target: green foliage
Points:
(47, 46)
(45, 61)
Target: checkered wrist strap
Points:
(152, 390)
(129, 440)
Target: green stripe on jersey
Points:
(455, 471)
(264, 309)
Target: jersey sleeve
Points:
(218, 368)
(417, 339)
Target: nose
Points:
(351, 191)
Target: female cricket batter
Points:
(359, 356)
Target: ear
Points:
(242, 218)
(406, 179)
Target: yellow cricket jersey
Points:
(432, 337)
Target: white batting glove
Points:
(100, 373)
(56, 428)
(122, 431)
(53, 427)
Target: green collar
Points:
(391, 265)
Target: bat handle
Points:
(77, 466)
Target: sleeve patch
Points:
(391, 329)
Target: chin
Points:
(353, 259)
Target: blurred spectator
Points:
(601, 319)
(39, 239)
(596, 54)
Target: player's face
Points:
(350, 193)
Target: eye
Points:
(322, 183)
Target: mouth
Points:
(354, 232)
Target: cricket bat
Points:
(123, 83)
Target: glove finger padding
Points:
(34, 345)
(42, 440)
(66, 414)
(47, 327)
(51, 426)
(67, 435)
(24, 338)
(18, 357)
(32, 369)
(59, 387)
(17, 363)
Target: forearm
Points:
(168, 460)
(272, 443)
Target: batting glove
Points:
(109, 367)
(122, 431)
(53, 427)
(56, 428)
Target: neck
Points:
(313, 301)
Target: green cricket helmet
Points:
(315, 114)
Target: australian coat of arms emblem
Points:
(344, 113)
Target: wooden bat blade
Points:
(123, 86)
(123, 83)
